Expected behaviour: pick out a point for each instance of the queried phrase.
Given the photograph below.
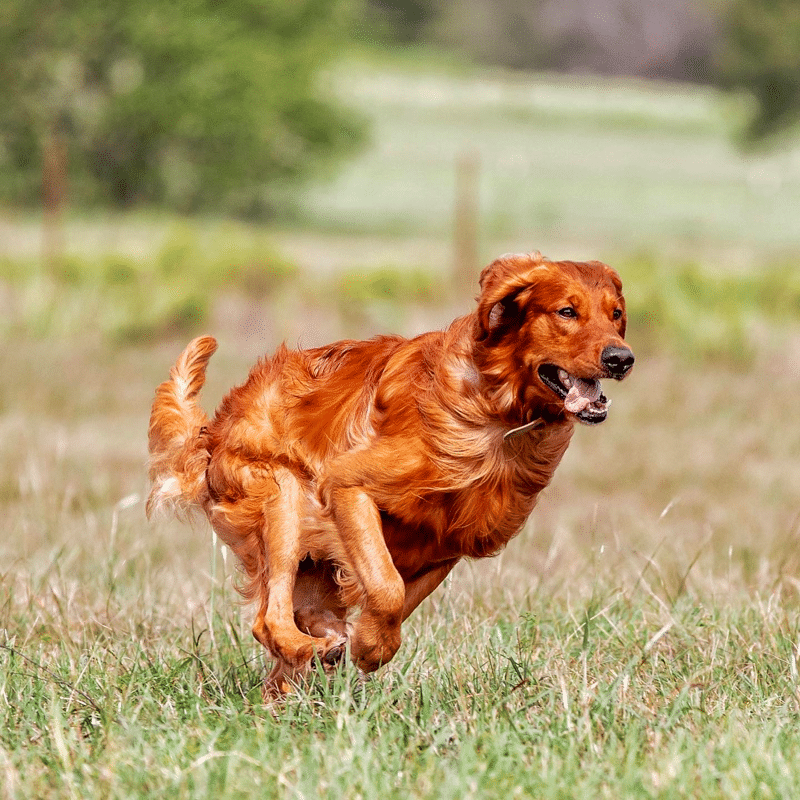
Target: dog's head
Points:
(551, 330)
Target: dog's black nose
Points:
(617, 361)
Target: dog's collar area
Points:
(529, 426)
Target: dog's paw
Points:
(373, 646)
(328, 628)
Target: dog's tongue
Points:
(581, 395)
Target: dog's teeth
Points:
(565, 378)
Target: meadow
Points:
(639, 638)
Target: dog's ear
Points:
(501, 284)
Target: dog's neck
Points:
(484, 379)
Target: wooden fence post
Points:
(54, 194)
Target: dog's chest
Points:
(492, 500)
(474, 521)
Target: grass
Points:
(638, 639)
(643, 176)
(579, 164)
(194, 281)
(612, 705)
(641, 636)
(130, 298)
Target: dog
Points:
(358, 474)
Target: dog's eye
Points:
(617, 313)
(568, 312)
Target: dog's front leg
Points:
(376, 636)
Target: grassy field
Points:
(578, 163)
(641, 636)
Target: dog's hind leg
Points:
(318, 607)
(318, 612)
(275, 626)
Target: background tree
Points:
(760, 53)
(191, 103)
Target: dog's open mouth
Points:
(582, 397)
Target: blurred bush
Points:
(377, 299)
(190, 103)
(760, 54)
(129, 300)
(703, 315)
(391, 284)
(401, 20)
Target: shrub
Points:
(191, 104)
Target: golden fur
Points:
(358, 474)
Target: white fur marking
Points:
(170, 487)
(181, 386)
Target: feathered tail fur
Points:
(178, 451)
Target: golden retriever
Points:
(358, 474)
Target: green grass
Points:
(628, 700)
(575, 167)
(127, 298)
(638, 639)
(189, 285)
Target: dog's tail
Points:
(178, 448)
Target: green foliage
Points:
(761, 54)
(706, 315)
(392, 284)
(192, 103)
(678, 306)
(129, 300)
(378, 299)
